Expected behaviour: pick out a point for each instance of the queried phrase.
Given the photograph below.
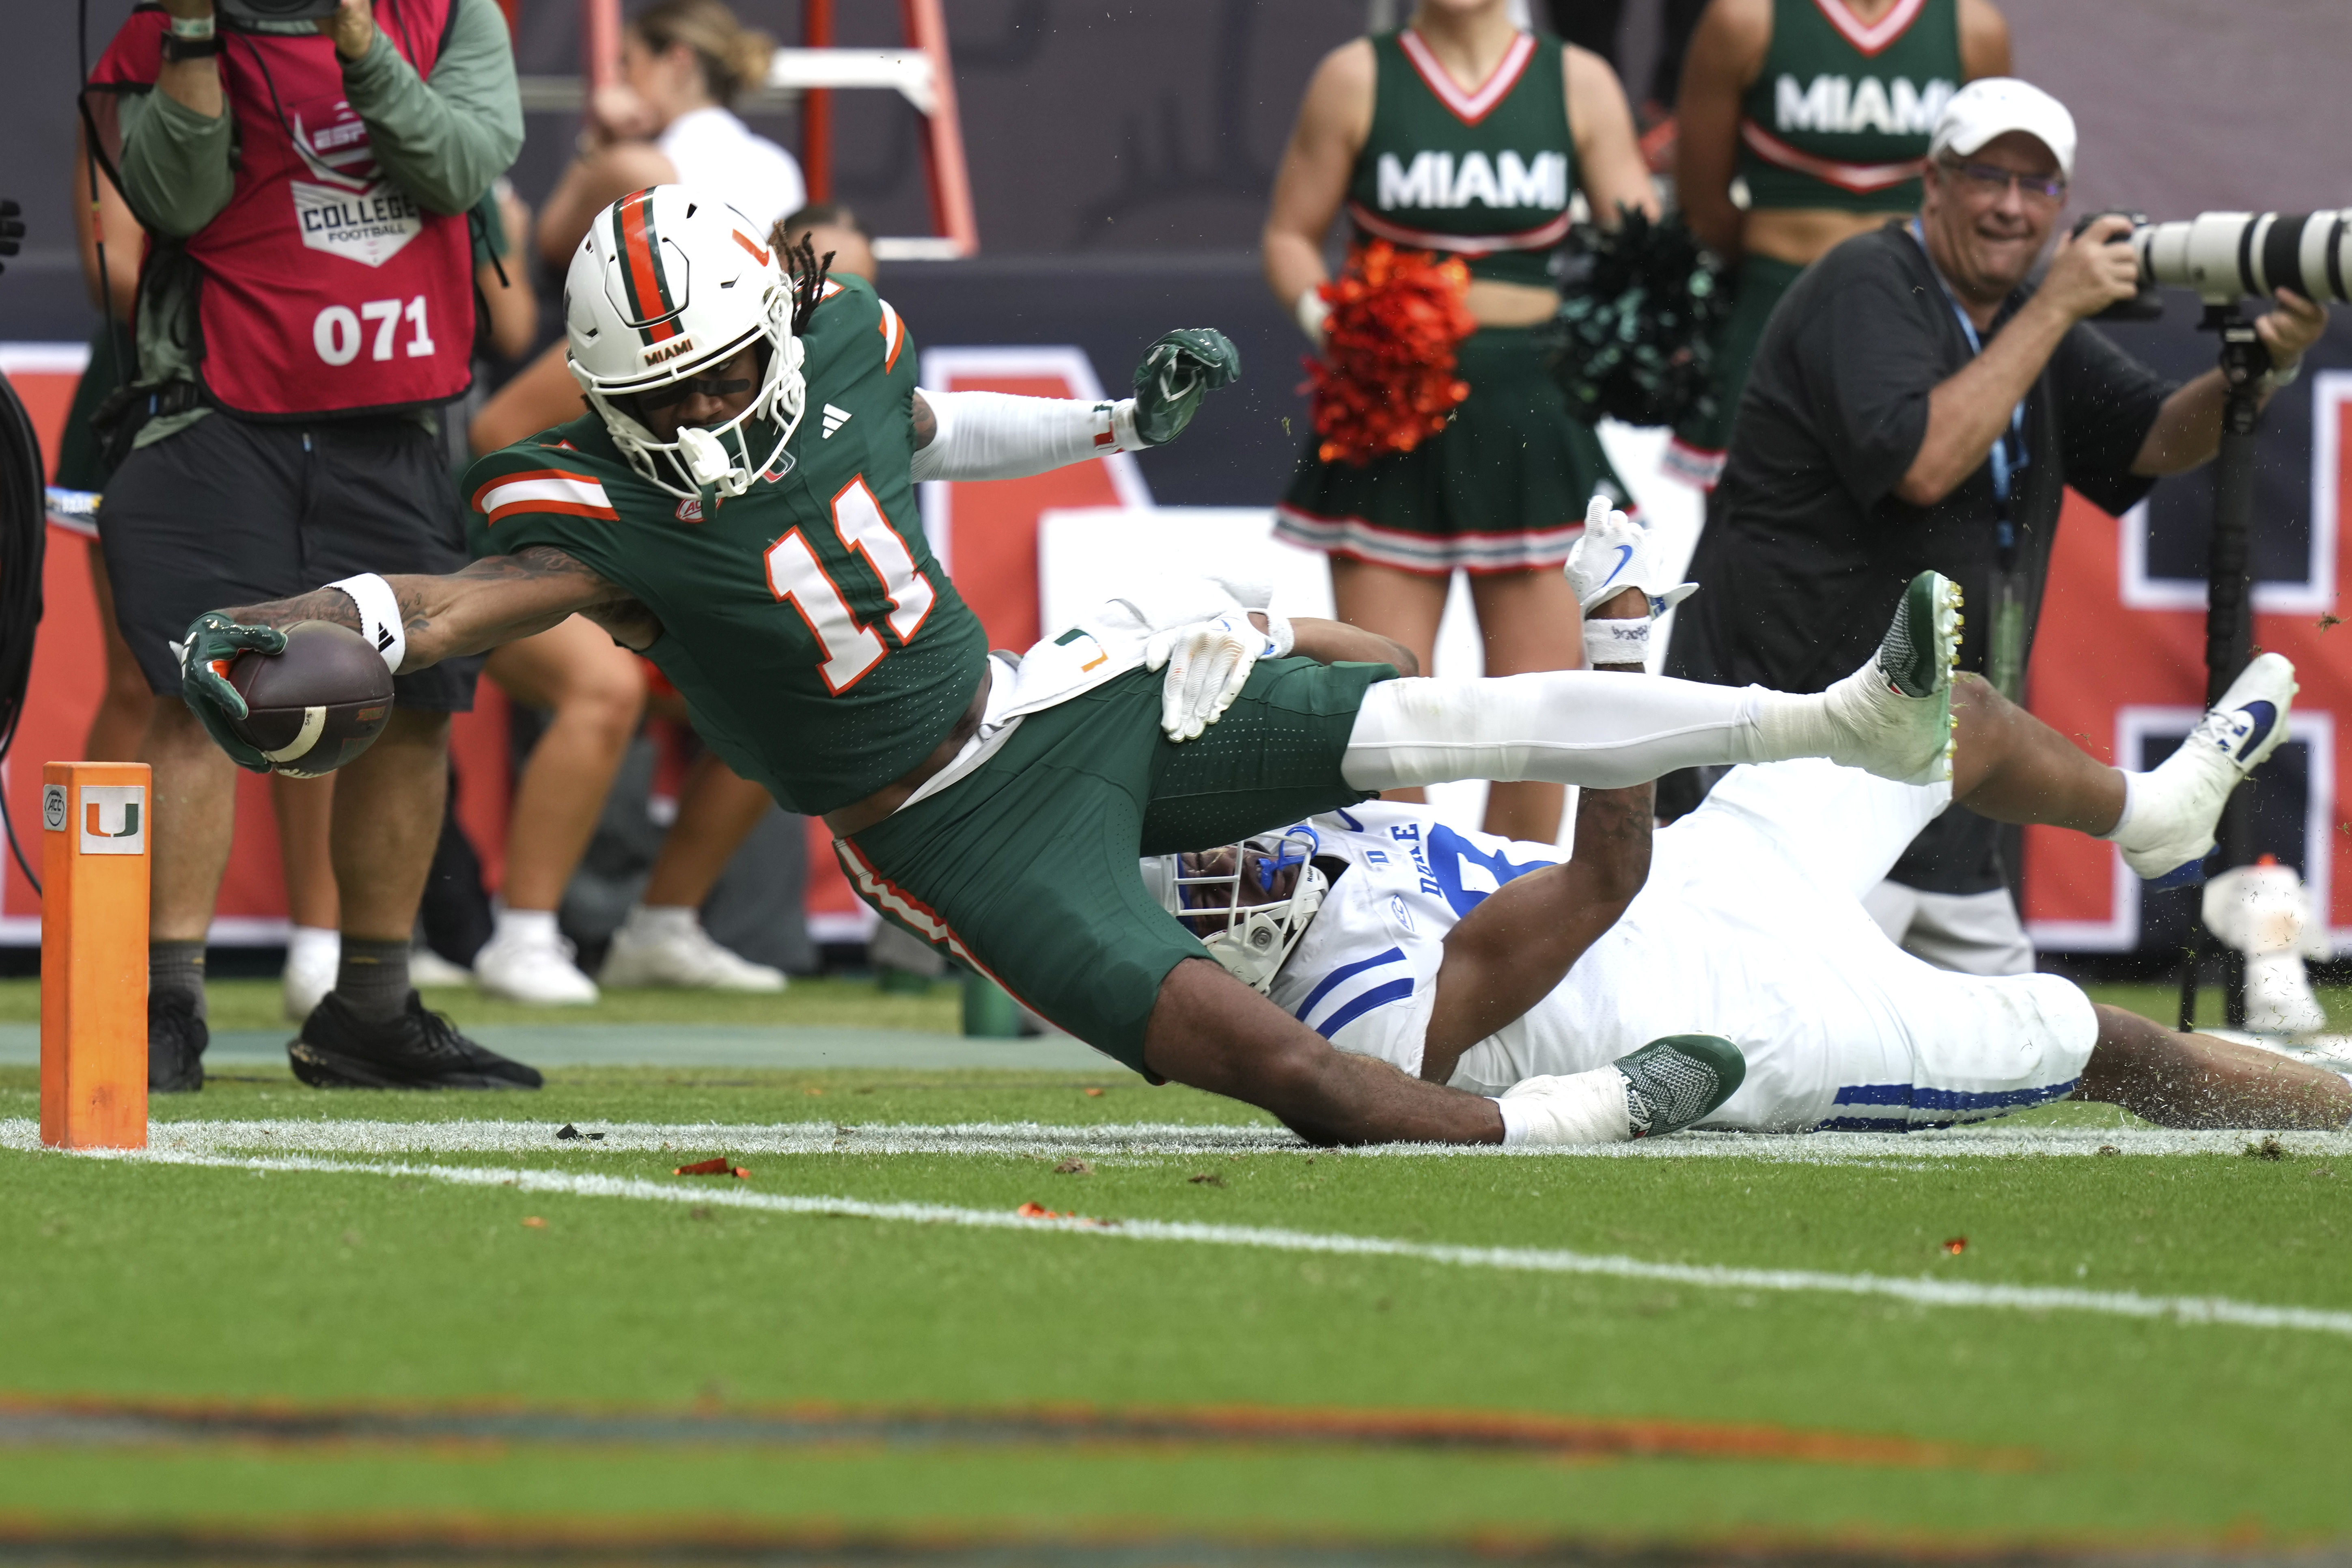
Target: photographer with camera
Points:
(304, 169)
(1916, 404)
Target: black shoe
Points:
(176, 1039)
(417, 1050)
(1680, 1079)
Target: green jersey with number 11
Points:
(821, 647)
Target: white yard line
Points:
(1538, 1260)
(1145, 1140)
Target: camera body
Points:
(2226, 256)
(244, 13)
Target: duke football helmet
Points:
(667, 286)
(1229, 898)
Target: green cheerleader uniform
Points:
(1485, 175)
(1838, 117)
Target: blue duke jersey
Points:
(1365, 973)
(1750, 926)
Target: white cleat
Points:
(535, 971)
(1894, 715)
(313, 956)
(669, 948)
(2176, 804)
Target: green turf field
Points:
(429, 1313)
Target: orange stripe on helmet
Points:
(639, 266)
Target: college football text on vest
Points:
(327, 289)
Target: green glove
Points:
(214, 640)
(1176, 369)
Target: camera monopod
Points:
(2228, 258)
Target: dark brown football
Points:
(316, 706)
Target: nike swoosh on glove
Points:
(213, 643)
(1617, 553)
(1178, 370)
(1208, 664)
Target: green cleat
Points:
(1678, 1081)
(1894, 715)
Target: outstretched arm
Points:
(997, 436)
(1209, 1031)
(497, 599)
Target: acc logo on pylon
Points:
(114, 819)
(53, 807)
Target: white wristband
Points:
(379, 616)
(1517, 1120)
(1279, 637)
(1616, 642)
(1122, 428)
(1309, 313)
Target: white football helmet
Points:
(1226, 898)
(668, 284)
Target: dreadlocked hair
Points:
(808, 271)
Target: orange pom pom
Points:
(1386, 381)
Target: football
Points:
(317, 705)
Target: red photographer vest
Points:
(327, 289)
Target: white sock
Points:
(1581, 1108)
(315, 944)
(657, 921)
(1582, 727)
(1794, 725)
(534, 927)
(2133, 784)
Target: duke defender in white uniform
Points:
(1751, 925)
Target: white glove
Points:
(1208, 664)
(1617, 553)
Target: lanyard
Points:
(2006, 459)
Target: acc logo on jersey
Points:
(689, 510)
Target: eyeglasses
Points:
(1992, 182)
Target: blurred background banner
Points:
(1120, 156)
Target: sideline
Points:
(1922, 1292)
(1155, 1139)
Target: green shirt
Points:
(1485, 175)
(822, 648)
(1840, 115)
(444, 140)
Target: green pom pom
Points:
(1633, 338)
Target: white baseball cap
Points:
(1994, 106)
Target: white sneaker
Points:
(313, 955)
(426, 967)
(533, 964)
(1894, 715)
(669, 948)
(2174, 804)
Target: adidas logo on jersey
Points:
(835, 418)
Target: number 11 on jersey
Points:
(796, 576)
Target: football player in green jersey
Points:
(739, 506)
